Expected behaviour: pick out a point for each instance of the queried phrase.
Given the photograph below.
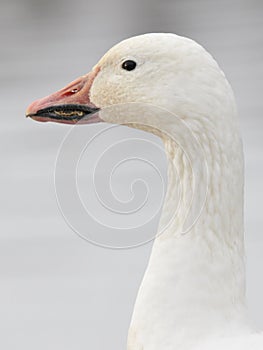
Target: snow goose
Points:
(193, 293)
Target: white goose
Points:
(193, 292)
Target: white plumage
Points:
(192, 296)
(193, 292)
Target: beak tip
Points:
(30, 110)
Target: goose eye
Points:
(129, 65)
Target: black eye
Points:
(129, 65)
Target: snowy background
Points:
(57, 290)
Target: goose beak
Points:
(69, 105)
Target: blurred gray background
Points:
(58, 291)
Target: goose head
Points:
(164, 70)
(164, 84)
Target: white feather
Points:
(193, 292)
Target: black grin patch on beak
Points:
(70, 112)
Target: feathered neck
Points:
(194, 285)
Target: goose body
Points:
(192, 296)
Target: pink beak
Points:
(69, 105)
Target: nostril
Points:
(71, 92)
